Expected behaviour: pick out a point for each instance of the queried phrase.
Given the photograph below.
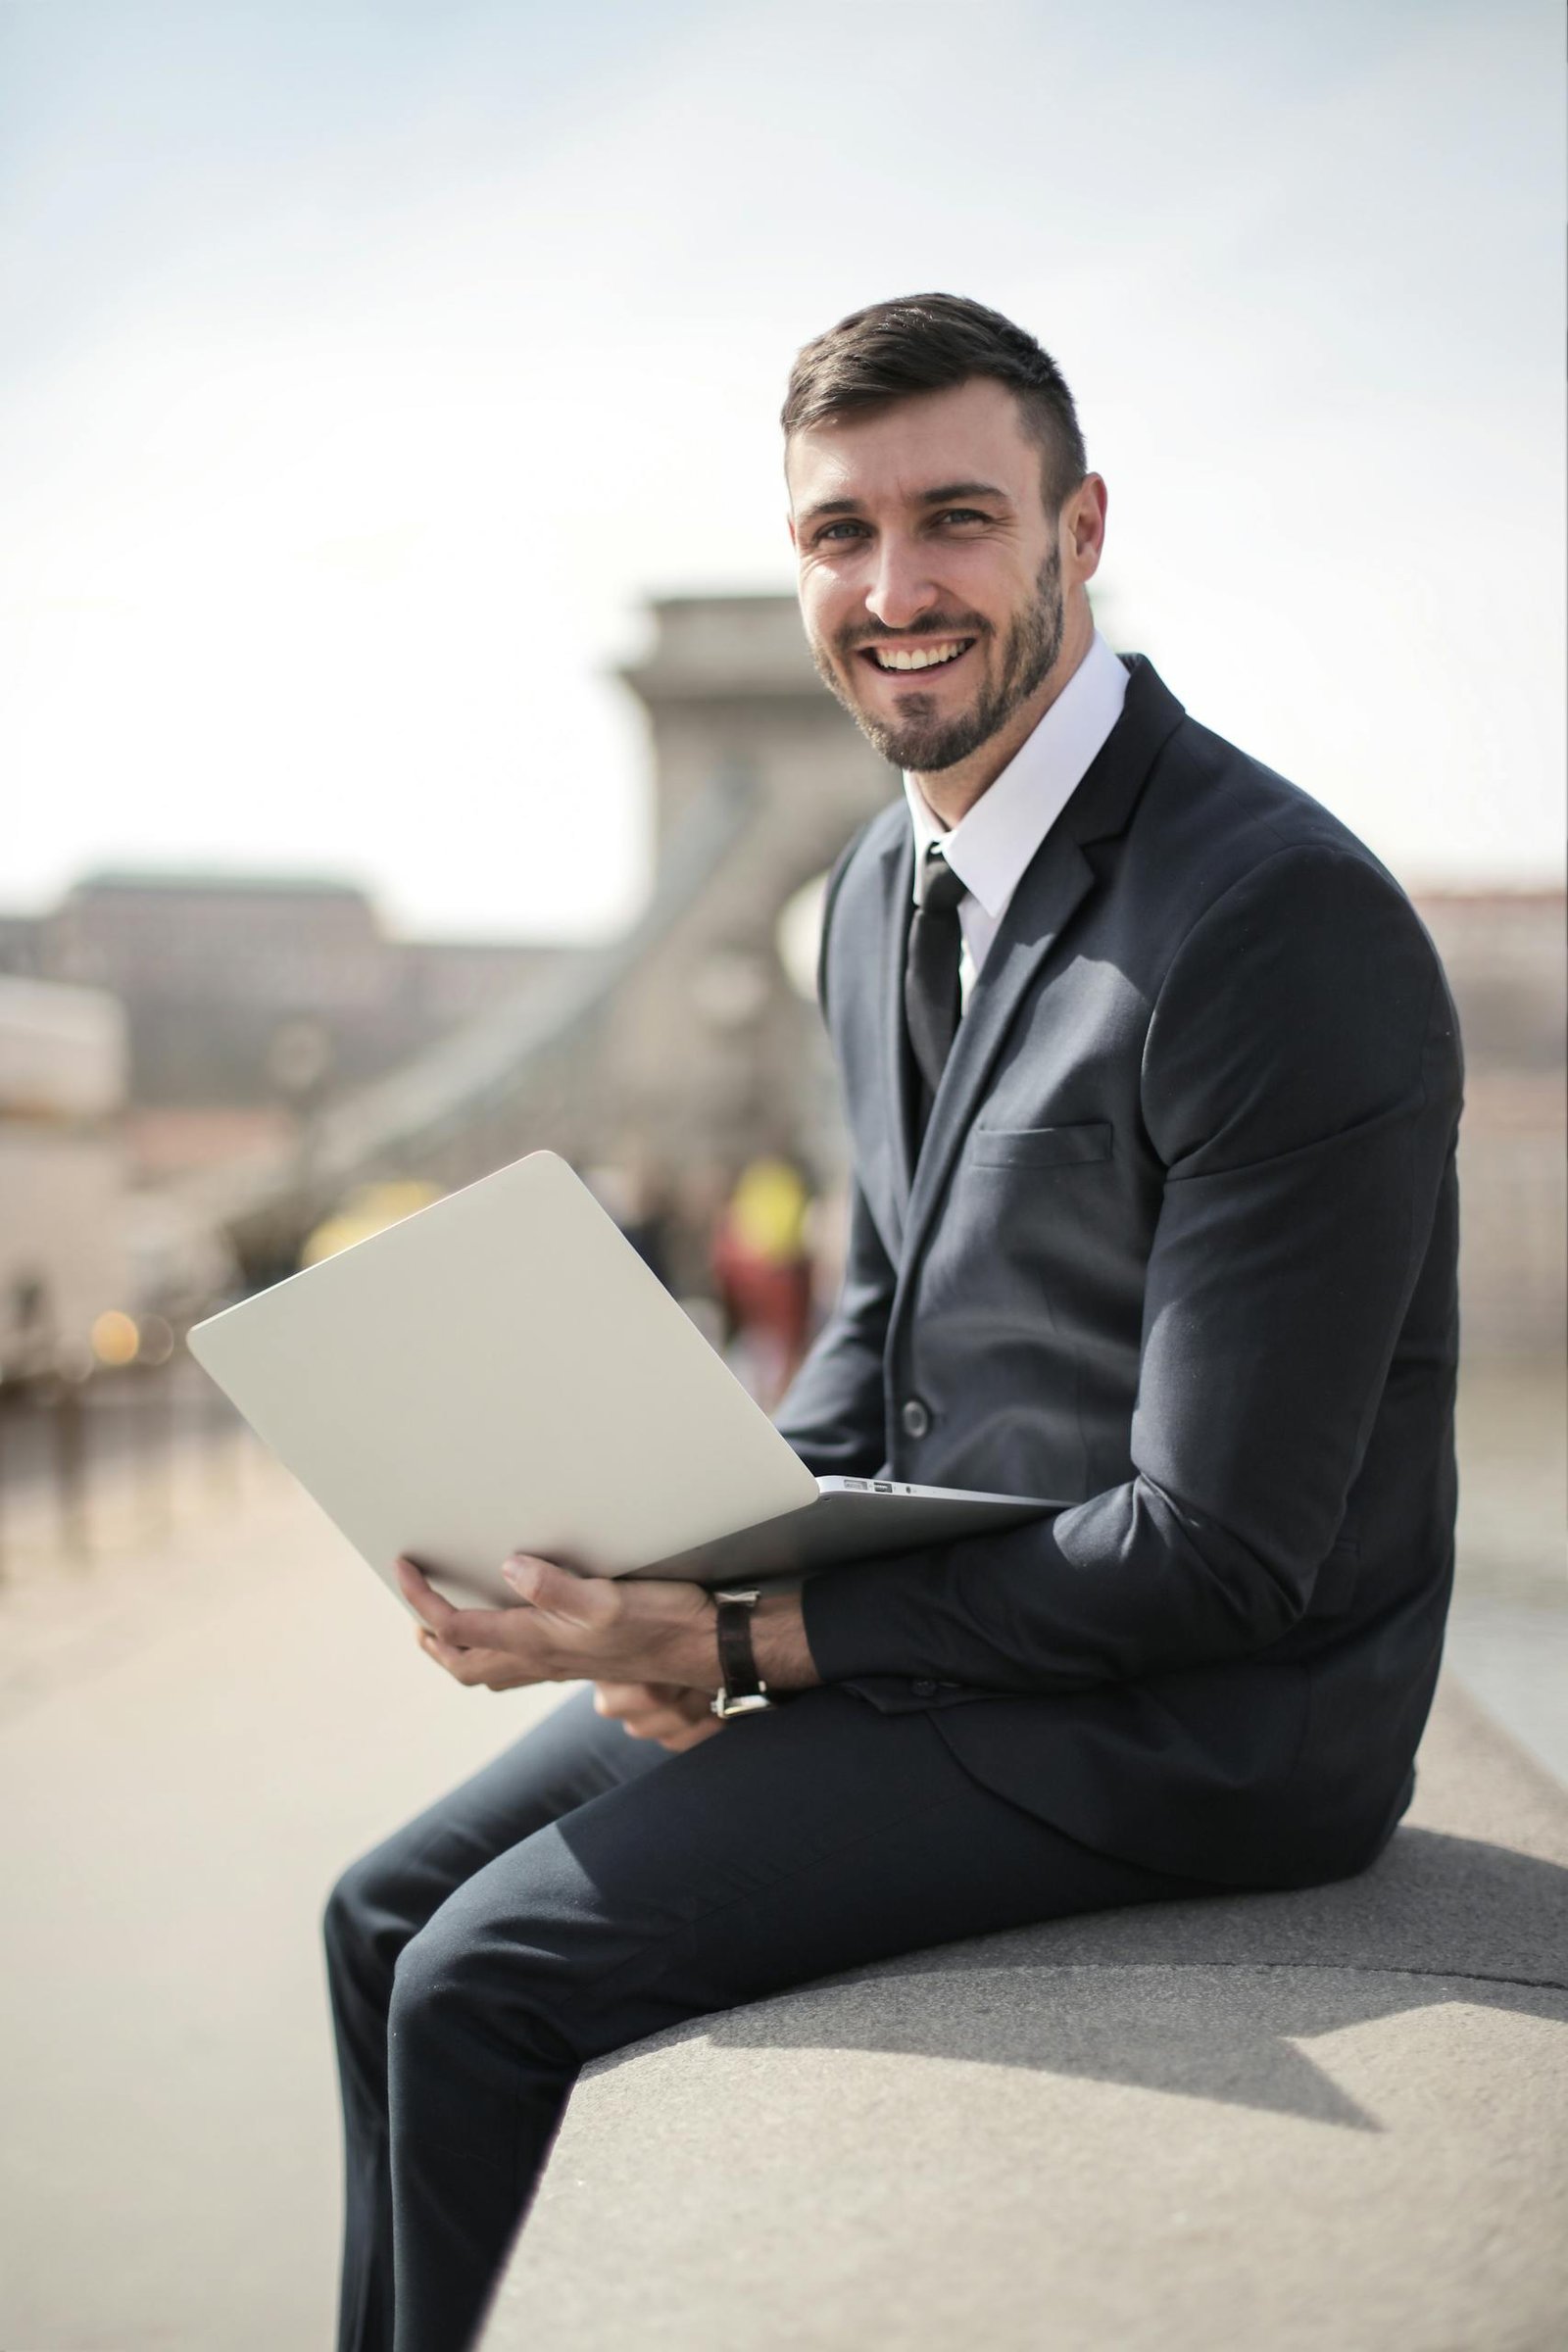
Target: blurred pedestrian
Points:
(763, 1267)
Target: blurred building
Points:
(248, 1000)
(64, 1255)
(266, 1014)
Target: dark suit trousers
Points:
(586, 1889)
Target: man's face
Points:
(930, 573)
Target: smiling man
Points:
(995, 648)
(1153, 1083)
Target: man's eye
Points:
(963, 515)
(832, 529)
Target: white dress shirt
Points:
(990, 848)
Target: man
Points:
(1153, 1081)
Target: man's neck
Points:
(949, 792)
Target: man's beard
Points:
(921, 742)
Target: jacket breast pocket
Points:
(1039, 1147)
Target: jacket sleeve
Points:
(1301, 1086)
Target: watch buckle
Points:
(747, 1703)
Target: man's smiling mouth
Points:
(896, 658)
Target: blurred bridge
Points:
(673, 1052)
(687, 1040)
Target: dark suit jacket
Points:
(1179, 1253)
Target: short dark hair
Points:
(928, 343)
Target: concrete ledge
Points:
(1334, 2118)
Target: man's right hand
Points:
(676, 1717)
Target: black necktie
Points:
(931, 976)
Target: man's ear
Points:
(1084, 526)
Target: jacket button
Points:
(923, 1689)
(916, 1417)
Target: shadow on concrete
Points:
(1237, 2045)
(1209, 1999)
(1432, 1903)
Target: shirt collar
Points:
(990, 848)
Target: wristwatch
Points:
(742, 1691)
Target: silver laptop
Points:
(501, 1372)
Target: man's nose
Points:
(901, 588)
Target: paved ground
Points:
(197, 1738)
(196, 1730)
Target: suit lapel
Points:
(1049, 893)
(1040, 906)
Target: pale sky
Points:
(366, 367)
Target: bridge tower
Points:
(709, 1048)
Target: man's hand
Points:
(570, 1628)
(660, 1711)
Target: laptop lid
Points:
(501, 1372)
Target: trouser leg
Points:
(383, 1900)
(798, 1842)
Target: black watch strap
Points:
(742, 1690)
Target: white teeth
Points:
(918, 657)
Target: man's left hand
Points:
(569, 1628)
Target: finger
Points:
(467, 1666)
(658, 1723)
(691, 1734)
(465, 1629)
(589, 1602)
(455, 1663)
(421, 1596)
(508, 1630)
(445, 1653)
(617, 1700)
